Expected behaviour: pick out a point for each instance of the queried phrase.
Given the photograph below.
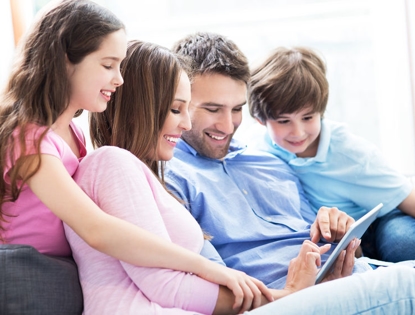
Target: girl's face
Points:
(177, 120)
(297, 132)
(96, 77)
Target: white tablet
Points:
(357, 229)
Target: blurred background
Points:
(368, 45)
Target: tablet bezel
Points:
(356, 230)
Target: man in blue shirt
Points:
(250, 202)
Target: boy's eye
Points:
(284, 121)
(308, 117)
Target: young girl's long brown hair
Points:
(38, 89)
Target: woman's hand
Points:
(247, 290)
(303, 269)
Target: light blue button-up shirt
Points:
(251, 203)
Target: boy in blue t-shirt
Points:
(288, 94)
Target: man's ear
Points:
(260, 121)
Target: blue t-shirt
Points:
(252, 204)
(347, 172)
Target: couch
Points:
(36, 284)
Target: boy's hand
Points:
(330, 224)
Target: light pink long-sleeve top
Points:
(124, 187)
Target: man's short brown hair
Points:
(214, 53)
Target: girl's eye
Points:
(107, 67)
(175, 111)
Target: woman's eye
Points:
(107, 67)
(175, 111)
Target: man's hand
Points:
(331, 224)
(303, 269)
(344, 263)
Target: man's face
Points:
(216, 112)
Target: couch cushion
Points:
(36, 284)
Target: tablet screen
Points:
(357, 229)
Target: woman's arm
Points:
(115, 237)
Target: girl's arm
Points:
(115, 237)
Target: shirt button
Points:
(244, 191)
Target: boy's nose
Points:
(297, 130)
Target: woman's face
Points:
(177, 120)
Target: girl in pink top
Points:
(70, 61)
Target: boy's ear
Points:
(258, 120)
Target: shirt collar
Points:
(324, 143)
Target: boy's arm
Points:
(408, 205)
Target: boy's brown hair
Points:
(289, 80)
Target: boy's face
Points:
(297, 132)
(216, 112)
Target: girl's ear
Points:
(258, 120)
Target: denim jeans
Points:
(387, 290)
(391, 238)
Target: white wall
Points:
(366, 44)
(7, 47)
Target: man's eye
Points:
(212, 110)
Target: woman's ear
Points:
(69, 66)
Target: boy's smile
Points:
(297, 132)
